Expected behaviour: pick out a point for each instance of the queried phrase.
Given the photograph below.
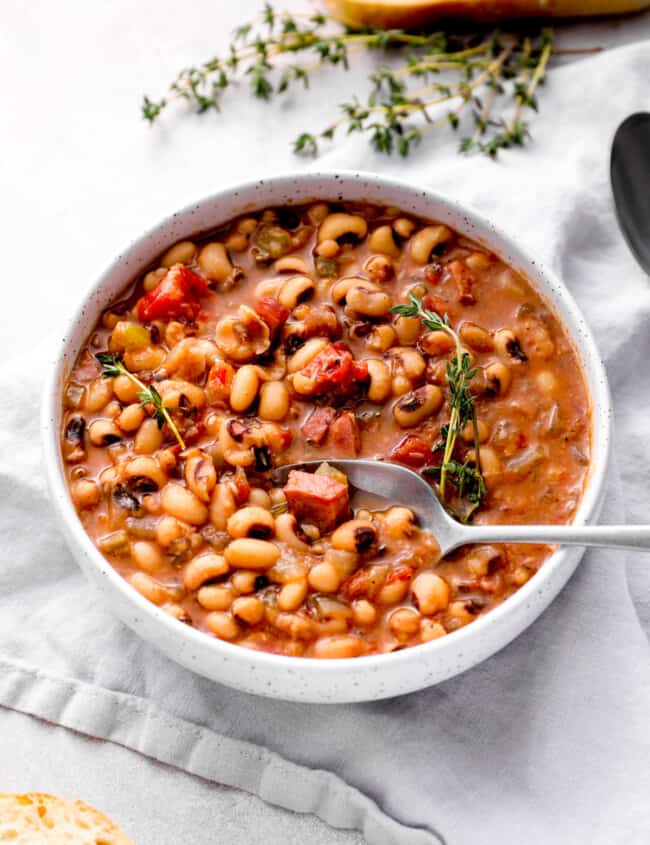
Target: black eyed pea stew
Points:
(308, 333)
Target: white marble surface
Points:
(80, 174)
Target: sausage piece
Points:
(317, 498)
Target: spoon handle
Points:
(635, 537)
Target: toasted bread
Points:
(417, 14)
(39, 819)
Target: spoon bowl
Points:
(630, 177)
(394, 484)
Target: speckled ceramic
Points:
(295, 678)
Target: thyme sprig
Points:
(466, 477)
(481, 84)
(112, 366)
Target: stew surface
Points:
(275, 340)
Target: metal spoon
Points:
(630, 176)
(390, 484)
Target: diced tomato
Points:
(317, 498)
(272, 312)
(217, 388)
(364, 582)
(241, 486)
(334, 369)
(435, 303)
(344, 435)
(412, 451)
(400, 572)
(174, 296)
(316, 426)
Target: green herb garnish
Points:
(466, 477)
(112, 366)
(479, 82)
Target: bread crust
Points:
(37, 818)
(415, 14)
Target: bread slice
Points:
(417, 14)
(39, 819)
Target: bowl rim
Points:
(546, 283)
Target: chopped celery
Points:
(332, 472)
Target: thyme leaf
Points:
(112, 365)
(466, 477)
(480, 84)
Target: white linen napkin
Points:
(547, 741)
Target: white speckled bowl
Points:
(295, 678)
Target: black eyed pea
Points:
(200, 475)
(498, 377)
(482, 432)
(181, 253)
(205, 567)
(381, 338)
(364, 612)
(362, 300)
(236, 242)
(286, 531)
(151, 589)
(251, 521)
(151, 280)
(338, 646)
(380, 386)
(147, 358)
(215, 596)
(414, 407)
(478, 261)
(246, 225)
(98, 394)
(291, 263)
(340, 290)
(245, 385)
(379, 268)
(404, 227)
(248, 609)
(222, 506)
(125, 389)
(407, 329)
(178, 612)
(430, 593)
(399, 522)
(180, 502)
(426, 240)
(317, 212)
(149, 438)
(292, 595)
(222, 625)
(260, 498)
(250, 553)
(104, 433)
(436, 343)
(304, 355)
(341, 225)
(431, 630)
(476, 337)
(131, 418)
(547, 382)
(295, 290)
(355, 535)
(244, 581)
(507, 346)
(145, 474)
(404, 623)
(147, 556)
(213, 260)
(490, 462)
(268, 288)
(327, 249)
(382, 240)
(85, 493)
(324, 578)
(274, 401)
(401, 384)
(407, 361)
(296, 626)
(168, 530)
